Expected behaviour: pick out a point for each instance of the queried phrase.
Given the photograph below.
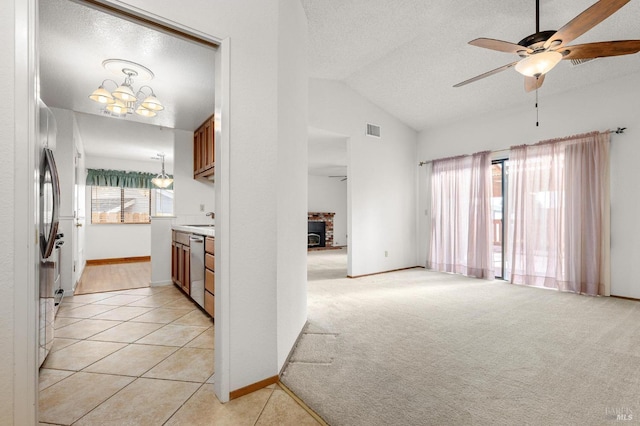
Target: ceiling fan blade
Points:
(499, 45)
(601, 49)
(487, 74)
(588, 19)
(533, 83)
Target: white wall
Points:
(19, 152)
(599, 107)
(292, 174)
(250, 278)
(189, 192)
(382, 177)
(330, 195)
(9, 178)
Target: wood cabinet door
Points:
(210, 281)
(210, 145)
(174, 262)
(180, 265)
(209, 303)
(196, 152)
(186, 283)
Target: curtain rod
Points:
(619, 131)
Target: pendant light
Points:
(162, 180)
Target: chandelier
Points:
(162, 180)
(124, 99)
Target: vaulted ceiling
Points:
(405, 55)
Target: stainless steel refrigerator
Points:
(50, 240)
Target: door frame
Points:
(25, 264)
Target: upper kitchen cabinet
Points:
(203, 150)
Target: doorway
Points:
(118, 14)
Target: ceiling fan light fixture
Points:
(538, 63)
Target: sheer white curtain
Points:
(461, 240)
(558, 209)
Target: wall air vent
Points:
(373, 130)
(576, 62)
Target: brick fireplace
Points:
(327, 219)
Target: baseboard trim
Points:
(325, 248)
(116, 260)
(253, 387)
(302, 404)
(293, 348)
(384, 272)
(160, 283)
(625, 297)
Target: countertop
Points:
(207, 230)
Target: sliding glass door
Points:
(498, 203)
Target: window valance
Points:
(121, 178)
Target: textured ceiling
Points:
(405, 55)
(74, 39)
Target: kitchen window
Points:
(111, 204)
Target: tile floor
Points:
(145, 357)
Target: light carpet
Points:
(417, 347)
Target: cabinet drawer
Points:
(182, 238)
(209, 303)
(210, 281)
(210, 261)
(209, 245)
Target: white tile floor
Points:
(144, 357)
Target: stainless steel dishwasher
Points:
(196, 248)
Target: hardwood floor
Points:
(111, 277)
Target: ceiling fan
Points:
(541, 51)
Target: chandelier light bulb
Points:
(141, 110)
(152, 103)
(124, 93)
(102, 95)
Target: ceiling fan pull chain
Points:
(537, 117)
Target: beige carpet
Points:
(420, 348)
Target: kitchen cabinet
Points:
(180, 268)
(209, 275)
(204, 150)
(180, 260)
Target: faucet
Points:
(211, 214)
